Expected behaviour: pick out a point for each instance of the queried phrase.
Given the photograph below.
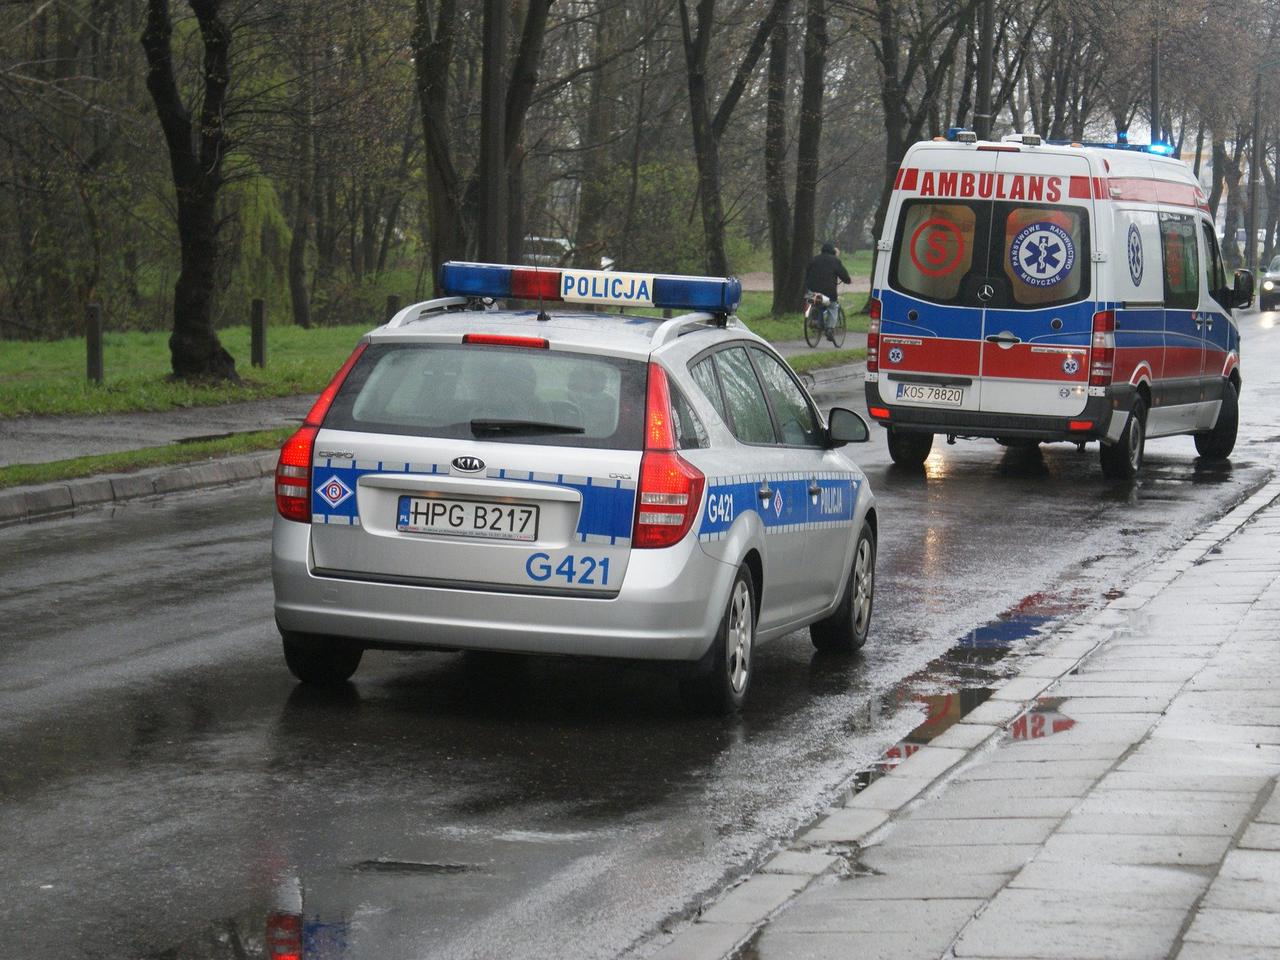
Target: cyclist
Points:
(821, 276)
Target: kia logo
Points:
(468, 464)
(986, 292)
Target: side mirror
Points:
(1243, 293)
(847, 427)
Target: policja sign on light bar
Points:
(598, 287)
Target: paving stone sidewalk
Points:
(1147, 827)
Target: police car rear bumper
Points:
(662, 611)
(975, 423)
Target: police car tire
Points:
(320, 661)
(846, 629)
(714, 691)
(909, 449)
(1119, 461)
(1218, 443)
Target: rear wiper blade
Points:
(493, 425)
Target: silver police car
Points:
(586, 483)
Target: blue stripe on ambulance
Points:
(790, 507)
(608, 507)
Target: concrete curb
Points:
(725, 925)
(26, 504)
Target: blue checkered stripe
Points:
(608, 505)
(790, 508)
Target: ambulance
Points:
(1033, 292)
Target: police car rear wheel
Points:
(320, 661)
(846, 629)
(723, 688)
(909, 449)
(1123, 459)
(1218, 443)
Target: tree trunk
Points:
(775, 168)
(808, 144)
(299, 290)
(196, 163)
(589, 240)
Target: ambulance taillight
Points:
(873, 336)
(1103, 352)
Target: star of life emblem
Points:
(1042, 254)
(895, 355)
(1070, 366)
(1135, 255)
(333, 491)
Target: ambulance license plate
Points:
(468, 518)
(931, 393)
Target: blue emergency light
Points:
(598, 287)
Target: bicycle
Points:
(815, 308)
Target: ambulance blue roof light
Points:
(1122, 143)
(720, 295)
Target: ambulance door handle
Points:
(814, 488)
(1208, 321)
(764, 493)
(1000, 338)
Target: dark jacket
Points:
(821, 275)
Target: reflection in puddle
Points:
(1043, 720)
(967, 673)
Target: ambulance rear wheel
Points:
(1123, 459)
(1218, 443)
(909, 449)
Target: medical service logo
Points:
(1135, 255)
(1071, 366)
(1042, 254)
(334, 491)
(895, 355)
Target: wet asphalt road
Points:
(165, 786)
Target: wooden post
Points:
(93, 342)
(393, 307)
(258, 334)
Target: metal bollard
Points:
(93, 342)
(393, 307)
(258, 334)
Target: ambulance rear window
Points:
(976, 253)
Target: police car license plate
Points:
(931, 393)
(468, 518)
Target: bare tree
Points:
(197, 151)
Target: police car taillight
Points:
(1103, 348)
(293, 469)
(873, 336)
(670, 491)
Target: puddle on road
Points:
(959, 681)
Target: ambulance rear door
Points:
(1038, 288)
(931, 317)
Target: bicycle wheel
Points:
(813, 325)
(838, 331)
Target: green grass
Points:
(754, 312)
(49, 378)
(804, 362)
(129, 460)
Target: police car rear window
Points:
(494, 393)
(986, 253)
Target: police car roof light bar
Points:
(718, 295)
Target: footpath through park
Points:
(1142, 822)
